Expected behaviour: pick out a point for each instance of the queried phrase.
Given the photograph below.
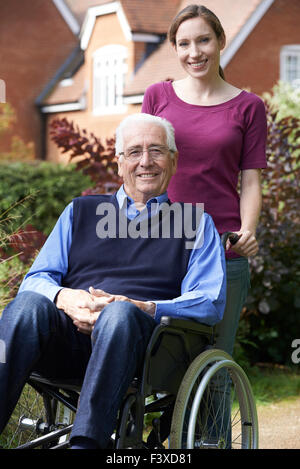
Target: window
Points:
(109, 73)
(290, 64)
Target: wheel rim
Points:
(215, 431)
(35, 416)
(25, 420)
(197, 423)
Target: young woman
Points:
(220, 135)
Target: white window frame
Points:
(109, 71)
(287, 52)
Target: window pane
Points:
(290, 71)
(109, 73)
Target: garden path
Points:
(279, 425)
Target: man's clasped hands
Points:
(84, 307)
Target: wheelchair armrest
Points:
(188, 325)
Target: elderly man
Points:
(89, 304)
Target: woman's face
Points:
(198, 48)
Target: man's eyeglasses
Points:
(156, 153)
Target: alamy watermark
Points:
(296, 353)
(2, 91)
(164, 221)
(2, 351)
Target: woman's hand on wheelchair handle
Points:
(246, 245)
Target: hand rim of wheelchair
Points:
(210, 361)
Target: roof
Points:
(143, 16)
(163, 64)
(151, 16)
(67, 86)
(68, 90)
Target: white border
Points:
(68, 16)
(106, 9)
(146, 37)
(65, 107)
(134, 99)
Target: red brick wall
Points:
(256, 64)
(107, 30)
(34, 42)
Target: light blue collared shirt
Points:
(203, 289)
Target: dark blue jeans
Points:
(238, 282)
(40, 337)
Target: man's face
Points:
(146, 177)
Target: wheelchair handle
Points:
(233, 238)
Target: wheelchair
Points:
(198, 396)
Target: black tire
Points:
(199, 418)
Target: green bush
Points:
(285, 98)
(46, 187)
(12, 272)
(273, 306)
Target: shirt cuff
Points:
(50, 293)
(164, 308)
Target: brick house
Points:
(122, 48)
(116, 39)
(36, 37)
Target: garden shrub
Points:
(285, 98)
(32, 196)
(12, 271)
(45, 188)
(273, 306)
(17, 250)
(97, 161)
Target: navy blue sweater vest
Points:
(141, 268)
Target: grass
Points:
(274, 383)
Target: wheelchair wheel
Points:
(215, 407)
(36, 417)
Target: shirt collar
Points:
(125, 201)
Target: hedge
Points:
(46, 187)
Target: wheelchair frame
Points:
(186, 390)
(192, 383)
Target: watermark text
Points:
(166, 221)
(296, 353)
(2, 91)
(2, 351)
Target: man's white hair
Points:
(133, 119)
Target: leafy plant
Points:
(273, 307)
(17, 250)
(12, 271)
(89, 153)
(285, 98)
(45, 189)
